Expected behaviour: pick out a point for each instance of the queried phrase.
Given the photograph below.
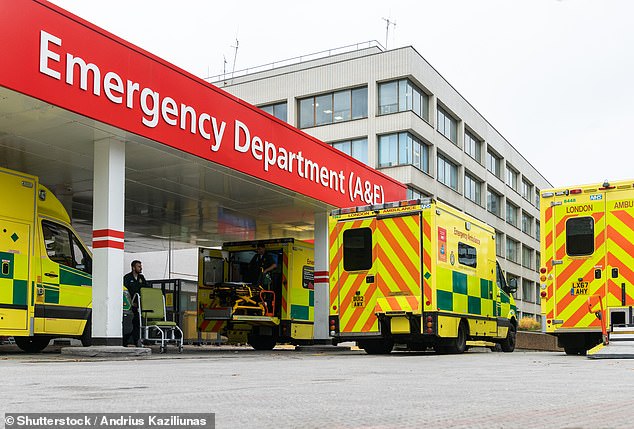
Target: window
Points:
(357, 249)
(213, 270)
(447, 172)
(580, 236)
(403, 95)
(403, 149)
(358, 149)
(447, 125)
(512, 250)
(467, 255)
(528, 291)
(538, 261)
(499, 243)
(527, 257)
(64, 248)
(527, 190)
(472, 189)
(279, 110)
(537, 230)
(536, 197)
(472, 146)
(333, 107)
(511, 177)
(511, 213)
(494, 202)
(538, 298)
(494, 164)
(414, 194)
(527, 223)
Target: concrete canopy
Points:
(170, 194)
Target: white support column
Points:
(322, 288)
(108, 218)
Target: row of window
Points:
(530, 291)
(404, 148)
(528, 257)
(494, 206)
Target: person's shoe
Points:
(139, 343)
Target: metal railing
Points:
(296, 60)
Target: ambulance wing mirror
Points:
(512, 286)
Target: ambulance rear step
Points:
(622, 333)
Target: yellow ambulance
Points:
(587, 262)
(419, 273)
(46, 271)
(261, 315)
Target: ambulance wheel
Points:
(261, 342)
(416, 347)
(459, 345)
(575, 351)
(508, 345)
(86, 336)
(381, 347)
(32, 344)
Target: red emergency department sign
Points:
(63, 60)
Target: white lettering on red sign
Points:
(156, 108)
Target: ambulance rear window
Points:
(357, 249)
(580, 236)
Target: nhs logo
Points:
(596, 197)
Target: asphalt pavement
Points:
(285, 388)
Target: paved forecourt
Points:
(289, 389)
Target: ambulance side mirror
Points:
(512, 285)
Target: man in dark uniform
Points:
(261, 264)
(134, 281)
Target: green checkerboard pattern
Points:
(13, 279)
(460, 293)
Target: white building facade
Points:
(393, 111)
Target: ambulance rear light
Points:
(575, 191)
(547, 194)
(560, 193)
(543, 294)
(429, 325)
(542, 270)
(333, 325)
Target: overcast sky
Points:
(553, 77)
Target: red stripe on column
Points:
(107, 233)
(107, 243)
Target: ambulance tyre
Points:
(380, 347)
(459, 345)
(508, 344)
(86, 336)
(262, 342)
(572, 351)
(32, 344)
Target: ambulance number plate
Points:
(579, 288)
